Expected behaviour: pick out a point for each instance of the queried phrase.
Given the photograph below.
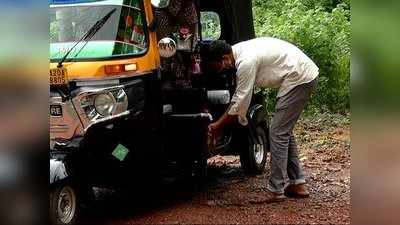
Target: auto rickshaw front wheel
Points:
(254, 157)
(63, 205)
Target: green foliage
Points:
(327, 5)
(322, 30)
(210, 25)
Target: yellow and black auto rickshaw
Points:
(132, 94)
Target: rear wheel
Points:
(254, 157)
(63, 205)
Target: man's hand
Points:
(214, 129)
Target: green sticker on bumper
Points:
(120, 152)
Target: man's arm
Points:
(240, 102)
(225, 119)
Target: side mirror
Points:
(167, 47)
(160, 4)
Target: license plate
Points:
(55, 110)
(58, 76)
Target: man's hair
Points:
(217, 49)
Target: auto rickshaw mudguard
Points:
(58, 170)
(65, 162)
(257, 116)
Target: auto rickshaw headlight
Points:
(105, 104)
(100, 104)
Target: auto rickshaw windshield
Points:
(123, 34)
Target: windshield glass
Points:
(122, 35)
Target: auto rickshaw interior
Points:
(189, 69)
(188, 76)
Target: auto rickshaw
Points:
(132, 94)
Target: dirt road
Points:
(230, 197)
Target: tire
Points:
(253, 157)
(63, 205)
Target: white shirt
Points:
(268, 63)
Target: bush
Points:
(322, 31)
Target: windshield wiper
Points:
(89, 34)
